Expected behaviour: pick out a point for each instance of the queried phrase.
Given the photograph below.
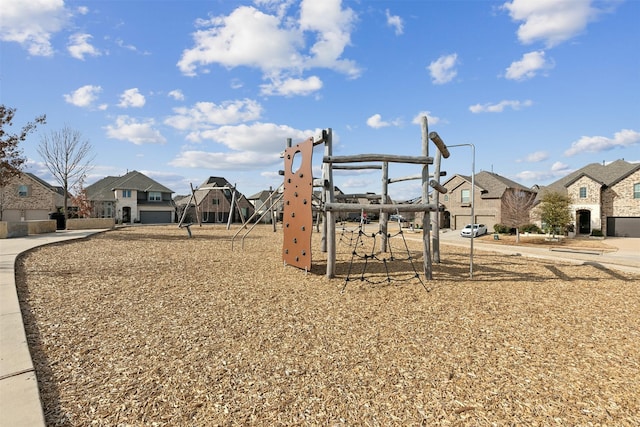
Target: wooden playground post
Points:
(425, 200)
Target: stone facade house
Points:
(604, 197)
(133, 197)
(215, 199)
(26, 197)
(490, 192)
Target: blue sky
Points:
(184, 90)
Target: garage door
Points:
(460, 221)
(488, 220)
(618, 226)
(155, 217)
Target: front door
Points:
(584, 221)
(126, 214)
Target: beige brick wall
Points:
(487, 211)
(592, 202)
(39, 201)
(623, 203)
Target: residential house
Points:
(369, 198)
(264, 201)
(133, 197)
(216, 201)
(491, 191)
(604, 197)
(26, 197)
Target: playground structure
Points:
(298, 189)
(202, 213)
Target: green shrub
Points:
(530, 228)
(596, 232)
(503, 229)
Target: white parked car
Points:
(478, 230)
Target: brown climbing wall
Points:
(297, 215)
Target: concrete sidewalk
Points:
(20, 403)
(626, 257)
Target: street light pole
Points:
(473, 198)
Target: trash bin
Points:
(496, 236)
(61, 223)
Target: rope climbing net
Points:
(390, 260)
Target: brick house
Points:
(214, 198)
(490, 192)
(26, 197)
(604, 197)
(133, 197)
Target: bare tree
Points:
(516, 208)
(68, 157)
(11, 159)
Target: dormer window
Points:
(155, 196)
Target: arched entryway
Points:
(583, 221)
(446, 219)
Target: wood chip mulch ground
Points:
(143, 326)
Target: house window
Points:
(446, 197)
(155, 196)
(126, 193)
(583, 192)
(465, 196)
(636, 191)
(23, 191)
(215, 201)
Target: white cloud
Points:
(32, 23)
(138, 132)
(535, 157)
(332, 28)
(500, 106)
(224, 161)
(376, 122)
(443, 69)
(132, 98)
(275, 44)
(431, 120)
(83, 96)
(557, 170)
(528, 66)
(395, 22)
(550, 21)
(257, 137)
(204, 115)
(247, 147)
(291, 86)
(177, 95)
(595, 144)
(79, 46)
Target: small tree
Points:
(555, 210)
(81, 201)
(11, 159)
(516, 209)
(68, 157)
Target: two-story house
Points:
(489, 195)
(604, 197)
(216, 199)
(26, 197)
(133, 197)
